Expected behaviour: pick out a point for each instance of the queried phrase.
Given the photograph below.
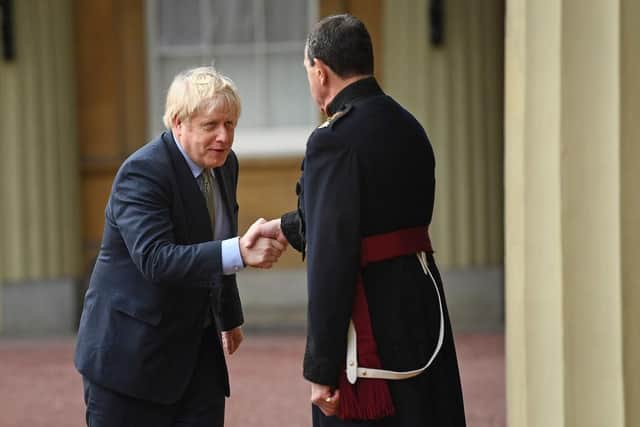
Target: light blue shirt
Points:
(231, 256)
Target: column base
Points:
(38, 308)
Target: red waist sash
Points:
(370, 399)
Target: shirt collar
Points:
(195, 169)
(362, 88)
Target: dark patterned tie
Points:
(206, 182)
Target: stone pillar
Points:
(630, 204)
(39, 215)
(570, 213)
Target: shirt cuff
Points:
(231, 256)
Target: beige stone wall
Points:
(267, 188)
(455, 91)
(571, 216)
(39, 233)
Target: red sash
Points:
(370, 399)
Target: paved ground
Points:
(40, 388)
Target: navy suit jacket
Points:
(157, 273)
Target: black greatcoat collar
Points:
(363, 88)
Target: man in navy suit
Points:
(163, 300)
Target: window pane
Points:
(288, 93)
(257, 43)
(242, 70)
(232, 21)
(178, 22)
(167, 69)
(287, 20)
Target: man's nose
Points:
(224, 136)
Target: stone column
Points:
(630, 204)
(39, 215)
(569, 213)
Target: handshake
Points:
(263, 243)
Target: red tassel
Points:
(367, 399)
(370, 399)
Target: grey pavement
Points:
(39, 386)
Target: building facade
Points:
(529, 105)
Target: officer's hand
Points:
(232, 339)
(325, 398)
(263, 228)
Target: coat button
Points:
(351, 363)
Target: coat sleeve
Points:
(291, 225)
(332, 216)
(140, 208)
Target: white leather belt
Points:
(354, 371)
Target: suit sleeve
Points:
(332, 213)
(140, 208)
(230, 315)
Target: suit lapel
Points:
(195, 207)
(224, 181)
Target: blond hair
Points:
(200, 89)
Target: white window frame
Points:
(253, 142)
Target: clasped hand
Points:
(263, 243)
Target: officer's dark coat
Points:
(370, 170)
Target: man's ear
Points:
(321, 71)
(176, 122)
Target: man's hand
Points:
(325, 398)
(263, 228)
(231, 340)
(257, 251)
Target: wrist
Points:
(232, 261)
(242, 254)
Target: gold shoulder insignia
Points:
(334, 117)
(325, 123)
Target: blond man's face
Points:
(206, 137)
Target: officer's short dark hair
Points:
(343, 43)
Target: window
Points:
(259, 44)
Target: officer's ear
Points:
(321, 71)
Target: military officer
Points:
(366, 199)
